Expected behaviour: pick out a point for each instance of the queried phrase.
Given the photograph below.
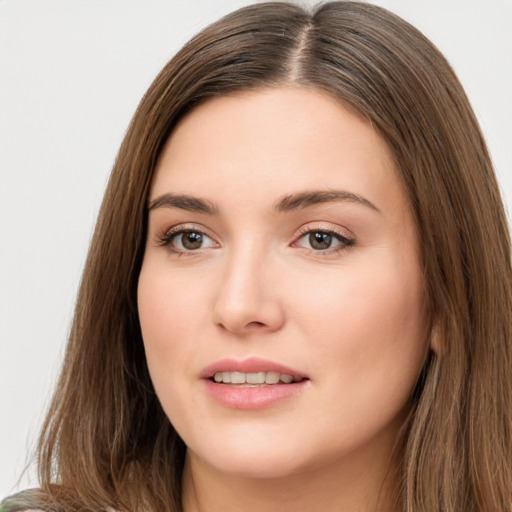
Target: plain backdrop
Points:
(71, 75)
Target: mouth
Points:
(252, 371)
(254, 379)
(252, 383)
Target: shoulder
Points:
(21, 502)
(28, 501)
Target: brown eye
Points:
(190, 241)
(319, 240)
(323, 241)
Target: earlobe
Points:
(436, 342)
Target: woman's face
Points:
(281, 246)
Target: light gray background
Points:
(71, 75)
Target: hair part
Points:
(106, 440)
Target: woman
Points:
(298, 292)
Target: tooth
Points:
(255, 378)
(272, 378)
(238, 378)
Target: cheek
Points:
(167, 301)
(169, 315)
(368, 331)
(357, 300)
(167, 307)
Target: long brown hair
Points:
(106, 440)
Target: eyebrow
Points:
(286, 204)
(183, 202)
(305, 199)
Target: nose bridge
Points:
(246, 298)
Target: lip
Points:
(253, 397)
(249, 365)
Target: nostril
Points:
(256, 324)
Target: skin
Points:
(351, 317)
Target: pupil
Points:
(319, 240)
(192, 240)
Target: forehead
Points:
(262, 144)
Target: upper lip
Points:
(249, 365)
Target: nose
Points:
(248, 299)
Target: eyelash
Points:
(164, 239)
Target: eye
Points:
(323, 240)
(187, 240)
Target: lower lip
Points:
(252, 397)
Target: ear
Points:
(436, 341)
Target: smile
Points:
(252, 383)
(255, 379)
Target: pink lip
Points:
(244, 397)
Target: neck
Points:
(354, 484)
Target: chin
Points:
(257, 467)
(255, 456)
